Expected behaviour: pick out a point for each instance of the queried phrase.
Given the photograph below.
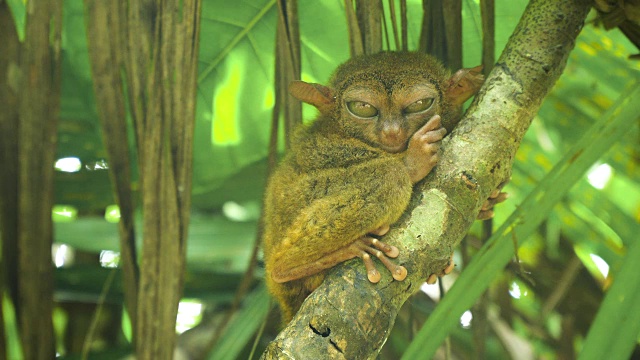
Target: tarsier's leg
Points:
(363, 248)
(326, 262)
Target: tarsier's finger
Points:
(432, 279)
(491, 201)
(397, 271)
(496, 197)
(372, 273)
(502, 196)
(434, 135)
(431, 148)
(380, 231)
(485, 214)
(450, 266)
(389, 250)
(447, 270)
(433, 123)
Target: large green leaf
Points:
(616, 328)
(243, 326)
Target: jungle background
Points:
(542, 305)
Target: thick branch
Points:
(348, 317)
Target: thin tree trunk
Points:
(104, 42)
(9, 165)
(487, 10)
(161, 50)
(9, 158)
(452, 14)
(369, 13)
(288, 64)
(156, 41)
(38, 104)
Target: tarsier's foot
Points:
(422, 151)
(496, 197)
(368, 245)
(447, 270)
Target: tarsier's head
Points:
(383, 98)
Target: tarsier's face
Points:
(385, 98)
(385, 110)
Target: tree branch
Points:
(348, 317)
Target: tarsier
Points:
(350, 174)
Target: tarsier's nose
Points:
(392, 134)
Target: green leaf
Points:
(615, 330)
(235, 90)
(14, 349)
(19, 13)
(243, 326)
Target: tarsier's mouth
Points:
(394, 148)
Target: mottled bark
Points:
(348, 317)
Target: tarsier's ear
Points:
(317, 95)
(464, 84)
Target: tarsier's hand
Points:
(496, 197)
(422, 151)
(369, 245)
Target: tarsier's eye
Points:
(362, 109)
(418, 106)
